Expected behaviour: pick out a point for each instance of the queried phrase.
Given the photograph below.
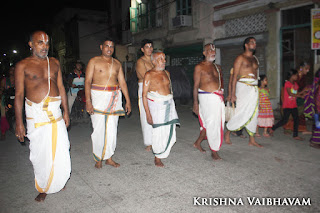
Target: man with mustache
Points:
(160, 108)
(144, 64)
(244, 91)
(104, 85)
(39, 78)
(208, 101)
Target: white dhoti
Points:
(49, 144)
(107, 104)
(212, 117)
(146, 128)
(165, 119)
(247, 106)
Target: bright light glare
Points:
(15, 51)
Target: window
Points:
(183, 7)
(145, 15)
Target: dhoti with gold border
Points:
(49, 144)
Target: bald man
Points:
(208, 101)
(160, 108)
(39, 78)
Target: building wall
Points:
(265, 20)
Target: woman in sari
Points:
(312, 107)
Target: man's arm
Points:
(196, 85)
(18, 101)
(87, 86)
(145, 90)
(236, 71)
(141, 68)
(64, 100)
(124, 88)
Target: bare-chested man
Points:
(40, 78)
(208, 101)
(103, 85)
(160, 108)
(245, 93)
(144, 64)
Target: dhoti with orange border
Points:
(107, 104)
(49, 144)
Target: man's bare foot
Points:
(306, 133)
(112, 163)
(215, 156)
(41, 197)
(252, 142)
(98, 165)
(298, 138)
(148, 148)
(158, 162)
(227, 138)
(198, 146)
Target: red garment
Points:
(290, 101)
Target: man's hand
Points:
(128, 108)
(233, 99)
(66, 119)
(20, 132)
(90, 107)
(196, 109)
(149, 119)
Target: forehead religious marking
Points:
(212, 47)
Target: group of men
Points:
(38, 80)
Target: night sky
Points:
(20, 18)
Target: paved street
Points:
(283, 168)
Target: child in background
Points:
(289, 104)
(265, 117)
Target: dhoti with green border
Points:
(165, 119)
(107, 104)
(247, 106)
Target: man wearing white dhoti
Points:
(103, 85)
(144, 64)
(160, 108)
(40, 78)
(208, 101)
(244, 91)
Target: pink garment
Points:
(4, 125)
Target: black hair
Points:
(246, 41)
(108, 39)
(261, 78)
(146, 41)
(303, 64)
(291, 72)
